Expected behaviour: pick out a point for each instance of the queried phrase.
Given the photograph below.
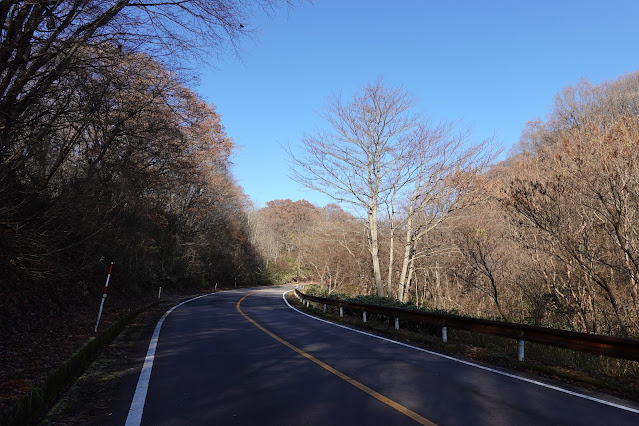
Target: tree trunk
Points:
(374, 249)
(411, 272)
(408, 249)
(391, 258)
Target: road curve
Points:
(266, 363)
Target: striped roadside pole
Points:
(103, 297)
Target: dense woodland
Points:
(107, 155)
(547, 237)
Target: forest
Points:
(547, 236)
(107, 155)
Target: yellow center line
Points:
(378, 396)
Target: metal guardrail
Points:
(615, 347)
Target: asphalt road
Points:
(213, 366)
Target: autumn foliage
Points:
(547, 237)
(107, 156)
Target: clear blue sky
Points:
(494, 65)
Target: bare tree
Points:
(584, 199)
(41, 41)
(438, 182)
(357, 161)
(379, 153)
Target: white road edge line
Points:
(513, 376)
(134, 418)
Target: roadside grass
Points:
(619, 378)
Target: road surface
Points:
(244, 357)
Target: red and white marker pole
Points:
(103, 297)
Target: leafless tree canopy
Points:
(41, 42)
(379, 155)
(548, 236)
(107, 155)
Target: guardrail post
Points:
(324, 307)
(616, 347)
(396, 323)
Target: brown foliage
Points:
(547, 237)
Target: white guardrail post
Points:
(364, 315)
(520, 350)
(396, 323)
(444, 334)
